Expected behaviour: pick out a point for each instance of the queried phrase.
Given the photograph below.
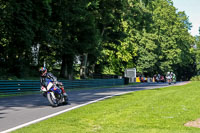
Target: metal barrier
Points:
(20, 86)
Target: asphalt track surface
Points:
(16, 112)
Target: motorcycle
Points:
(54, 94)
(174, 78)
(169, 79)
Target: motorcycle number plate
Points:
(43, 89)
(49, 85)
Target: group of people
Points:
(159, 78)
(170, 77)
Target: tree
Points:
(105, 36)
(75, 31)
(18, 29)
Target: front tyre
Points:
(51, 100)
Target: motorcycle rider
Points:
(158, 78)
(169, 77)
(173, 77)
(45, 75)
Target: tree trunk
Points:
(83, 67)
(67, 67)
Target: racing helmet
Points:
(42, 71)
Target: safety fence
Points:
(20, 86)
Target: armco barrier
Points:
(19, 86)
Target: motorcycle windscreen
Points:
(46, 81)
(49, 85)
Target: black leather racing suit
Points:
(50, 76)
(47, 76)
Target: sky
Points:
(192, 10)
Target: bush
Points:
(195, 78)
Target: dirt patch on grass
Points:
(195, 123)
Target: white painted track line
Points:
(55, 114)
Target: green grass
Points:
(164, 110)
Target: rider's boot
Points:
(65, 95)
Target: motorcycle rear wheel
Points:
(51, 100)
(66, 100)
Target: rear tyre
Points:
(66, 100)
(51, 100)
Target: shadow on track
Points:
(28, 101)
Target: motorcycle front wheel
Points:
(51, 100)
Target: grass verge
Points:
(163, 110)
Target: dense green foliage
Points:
(78, 38)
(195, 78)
(163, 110)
